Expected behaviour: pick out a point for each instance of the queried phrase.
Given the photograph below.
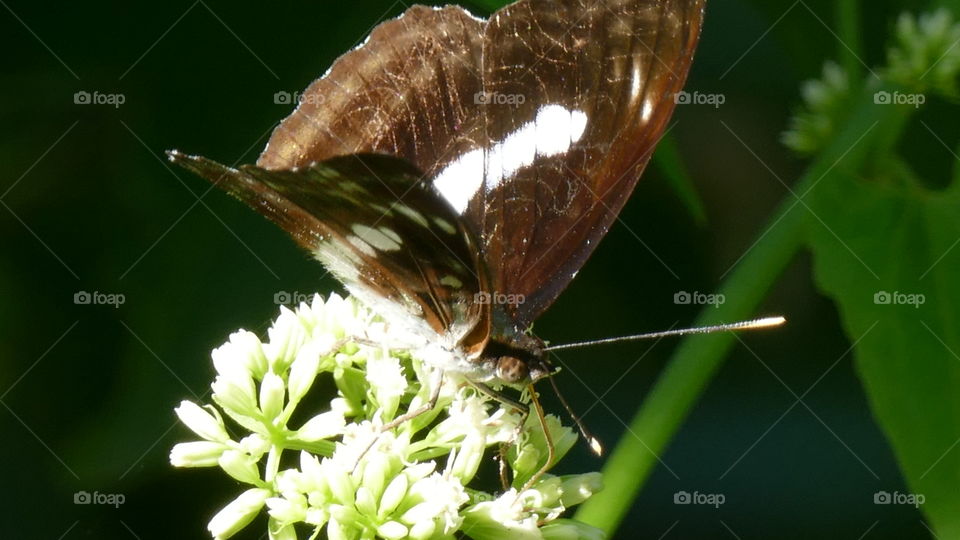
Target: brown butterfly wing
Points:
(381, 230)
(600, 74)
(597, 81)
(408, 91)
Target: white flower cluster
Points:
(926, 53)
(354, 479)
(924, 57)
(826, 102)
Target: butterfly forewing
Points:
(407, 91)
(530, 130)
(535, 125)
(380, 229)
(579, 94)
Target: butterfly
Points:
(455, 173)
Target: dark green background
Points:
(87, 392)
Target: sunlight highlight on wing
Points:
(554, 130)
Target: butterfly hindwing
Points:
(380, 229)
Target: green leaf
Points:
(699, 357)
(886, 251)
(488, 6)
(668, 160)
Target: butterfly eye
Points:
(512, 370)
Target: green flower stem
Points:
(850, 47)
(273, 463)
(668, 160)
(699, 357)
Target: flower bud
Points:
(196, 454)
(322, 426)
(303, 372)
(202, 422)
(236, 515)
(579, 487)
(393, 495)
(240, 466)
(272, 391)
(237, 395)
(392, 530)
(287, 510)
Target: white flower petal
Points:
(393, 495)
(304, 371)
(202, 422)
(240, 466)
(272, 390)
(392, 530)
(196, 454)
(238, 395)
(322, 426)
(422, 530)
(236, 515)
(255, 445)
(286, 510)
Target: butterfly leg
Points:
(505, 479)
(436, 383)
(434, 397)
(551, 449)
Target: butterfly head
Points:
(518, 360)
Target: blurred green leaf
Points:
(885, 251)
(697, 358)
(488, 6)
(668, 161)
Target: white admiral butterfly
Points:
(450, 162)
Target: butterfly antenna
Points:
(587, 436)
(765, 322)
